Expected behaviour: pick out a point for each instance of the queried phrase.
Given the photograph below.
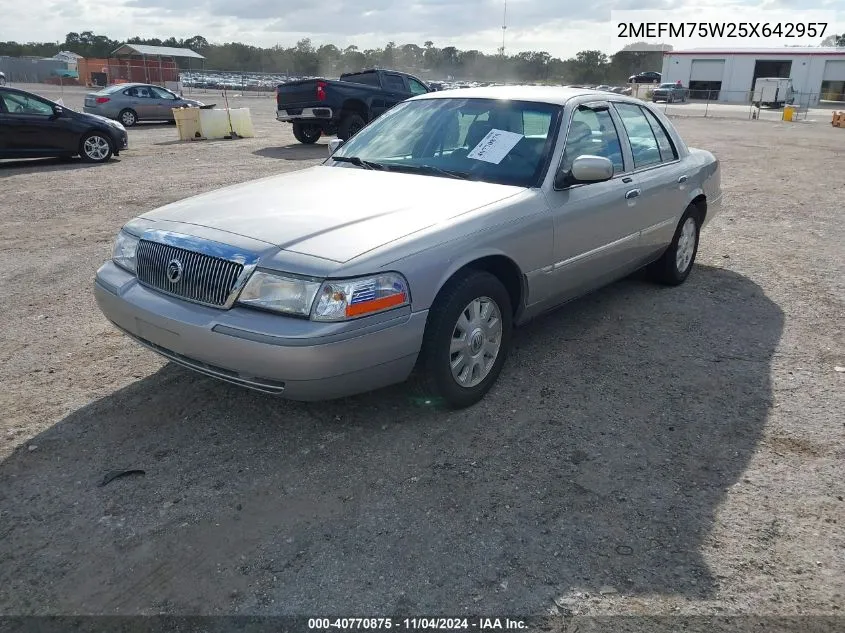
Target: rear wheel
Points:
(675, 264)
(466, 340)
(95, 148)
(127, 117)
(307, 133)
(350, 125)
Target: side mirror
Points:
(334, 145)
(58, 111)
(585, 169)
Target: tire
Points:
(95, 147)
(669, 100)
(467, 304)
(307, 133)
(675, 264)
(349, 126)
(128, 117)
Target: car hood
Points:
(335, 213)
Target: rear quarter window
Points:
(370, 79)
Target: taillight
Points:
(321, 91)
(103, 99)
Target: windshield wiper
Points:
(431, 169)
(359, 162)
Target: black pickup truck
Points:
(342, 107)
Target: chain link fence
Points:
(740, 105)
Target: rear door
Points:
(144, 102)
(658, 174)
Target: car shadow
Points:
(296, 151)
(599, 459)
(34, 165)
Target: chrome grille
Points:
(204, 279)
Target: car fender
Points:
(456, 263)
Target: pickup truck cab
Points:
(321, 106)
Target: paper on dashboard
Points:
(495, 146)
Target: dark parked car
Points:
(670, 93)
(648, 77)
(35, 127)
(130, 103)
(321, 106)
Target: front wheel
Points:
(675, 264)
(95, 148)
(350, 125)
(307, 133)
(466, 340)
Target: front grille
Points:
(204, 279)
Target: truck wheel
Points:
(307, 133)
(350, 125)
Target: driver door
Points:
(595, 233)
(30, 126)
(165, 101)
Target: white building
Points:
(728, 75)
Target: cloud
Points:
(561, 27)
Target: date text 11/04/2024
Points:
(742, 30)
(416, 624)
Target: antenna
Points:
(504, 26)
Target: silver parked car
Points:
(130, 103)
(417, 246)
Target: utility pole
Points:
(504, 27)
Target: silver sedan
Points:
(130, 103)
(417, 247)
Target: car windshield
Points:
(491, 140)
(667, 85)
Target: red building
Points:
(136, 63)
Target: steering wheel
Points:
(19, 109)
(518, 155)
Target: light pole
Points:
(504, 26)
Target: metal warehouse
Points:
(818, 74)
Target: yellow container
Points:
(788, 113)
(216, 123)
(187, 123)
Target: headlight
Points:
(125, 248)
(279, 293)
(351, 298)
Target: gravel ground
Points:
(646, 450)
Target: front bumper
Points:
(295, 358)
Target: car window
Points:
(664, 143)
(394, 82)
(162, 94)
(130, 92)
(25, 104)
(370, 79)
(643, 144)
(416, 87)
(143, 92)
(592, 133)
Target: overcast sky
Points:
(561, 27)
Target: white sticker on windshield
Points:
(495, 146)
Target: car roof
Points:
(553, 95)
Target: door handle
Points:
(627, 179)
(682, 179)
(633, 193)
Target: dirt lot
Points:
(646, 450)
